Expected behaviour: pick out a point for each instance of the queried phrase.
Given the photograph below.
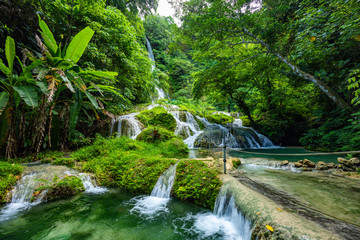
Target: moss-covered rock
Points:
(157, 116)
(196, 183)
(155, 134)
(174, 147)
(219, 118)
(66, 187)
(9, 174)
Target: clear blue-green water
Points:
(111, 215)
(287, 153)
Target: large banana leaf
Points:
(92, 99)
(48, 37)
(28, 94)
(75, 110)
(77, 46)
(4, 98)
(103, 74)
(10, 52)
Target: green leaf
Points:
(92, 100)
(4, 98)
(10, 52)
(43, 87)
(78, 45)
(74, 113)
(4, 69)
(48, 37)
(102, 74)
(28, 94)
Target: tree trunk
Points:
(39, 127)
(65, 115)
(323, 86)
(11, 144)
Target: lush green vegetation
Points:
(157, 116)
(9, 174)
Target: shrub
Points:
(157, 116)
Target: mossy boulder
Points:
(219, 118)
(157, 116)
(9, 174)
(155, 134)
(66, 187)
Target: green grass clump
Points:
(9, 174)
(157, 116)
(155, 135)
(196, 183)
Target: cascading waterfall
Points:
(156, 203)
(128, 126)
(226, 220)
(89, 185)
(160, 91)
(22, 194)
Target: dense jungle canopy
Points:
(291, 67)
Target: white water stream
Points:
(153, 205)
(23, 191)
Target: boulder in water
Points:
(298, 164)
(321, 165)
(308, 163)
(284, 163)
(331, 165)
(355, 161)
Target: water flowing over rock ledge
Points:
(290, 220)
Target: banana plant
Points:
(16, 86)
(60, 72)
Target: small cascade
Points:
(164, 184)
(226, 221)
(154, 204)
(90, 185)
(186, 127)
(128, 126)
(22, 193)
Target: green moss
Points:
(236, 163)
(245, 121)
(68, 186)
(9, 174)
(196, 183)
(157, 117)
(69, 162)
(155, 134)
(219, 118)
(174, 147)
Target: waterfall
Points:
(160, 91)
(150, 54)
(186, 127)
(21, 197)
(128, 126)
(154, 204)
(89, 185)
(226, 220)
